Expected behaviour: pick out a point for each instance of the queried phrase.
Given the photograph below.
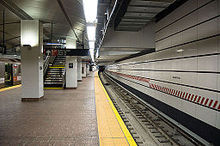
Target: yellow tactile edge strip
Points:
(9, 88)
(57, 67)
(120, 121)
(53, 88)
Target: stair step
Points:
(53, 83)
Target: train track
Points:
(161, 130)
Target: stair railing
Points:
(64, 79)
(46, 63)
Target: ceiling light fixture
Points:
(179, 50)
(90, 11)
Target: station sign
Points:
(77, 52)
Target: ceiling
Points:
(103, 7)
(66, 17)
(130, 16)
(137, 13)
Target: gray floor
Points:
(64, 117)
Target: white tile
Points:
(189, 79)
(207, 81)
(177, 26)
(202, 2)
(177, 64)
(189, 20)
(157, 36)
(187, 7)
(176, 77)
(208, 46)
(189, 108)
(218, 23)
(158, 46)
(176, 39)
(189, 64)
(218, 7)
(208, 63)
(208, 11)
(218, 84)
(190, 35)
(218, 113)
(218, 81)
(218, 120)
(206, 115)
(208, 29)
(189, 49)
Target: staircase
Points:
(55, 75)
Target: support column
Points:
(79, 70)
(84, 69)
(87, 70)
(32, 60)
(71, 72)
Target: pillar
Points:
(32, 60)
(84, 70)
(87, 69)
(71, 72)
(79, 70)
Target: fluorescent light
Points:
(179, 50)
(91, 45)
(91, 30)
(92, 54)
(90, 10)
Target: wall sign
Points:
(70, 65)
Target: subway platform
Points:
(82, 116)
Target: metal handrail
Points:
(46, 63)
(64, 78)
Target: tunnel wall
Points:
(184, 72)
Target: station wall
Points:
(184, 72)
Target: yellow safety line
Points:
(9, 88)
(120, 121)
(56, 67)
(53, 88)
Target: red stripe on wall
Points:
(192, 97)
(199, 99)
(195, 98)
(175, 93)
(189, 96)
(183, 95)
(202, 100)
(160, 88)
(215, 104)
(210, 103)
(156, 87)
(178, 93)
(206, 101)
(172, 91)
(186, 95)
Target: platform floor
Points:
(112, 130)
(64, 117)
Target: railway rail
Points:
(160, 129)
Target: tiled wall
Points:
(187, 61)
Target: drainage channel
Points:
(145, 125)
